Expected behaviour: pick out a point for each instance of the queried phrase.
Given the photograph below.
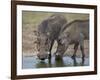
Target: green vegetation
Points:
(31, 17)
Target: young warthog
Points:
(48, 31)
(75, 33)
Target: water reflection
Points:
(54, 63)
(33, 62)
(41, 64)
(59, 63)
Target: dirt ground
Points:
(30, 21)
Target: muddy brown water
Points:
(30, 62)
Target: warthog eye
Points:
(59, 40)
(46, 42)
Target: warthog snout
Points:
(43, 56)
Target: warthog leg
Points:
(82, 50)
(51, 49)
(81, 42)
(75, 49)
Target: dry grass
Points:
(30, 21)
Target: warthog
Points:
(75, 33)
(48, 31)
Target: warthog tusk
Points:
(57, 54)
(48, 52)
(36, 52)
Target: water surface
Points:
(30, 62)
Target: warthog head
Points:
(63, 42)
(43, 46)
(48, 31)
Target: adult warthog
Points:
(48, 31)
(75, 33)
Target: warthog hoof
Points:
(73, 57)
